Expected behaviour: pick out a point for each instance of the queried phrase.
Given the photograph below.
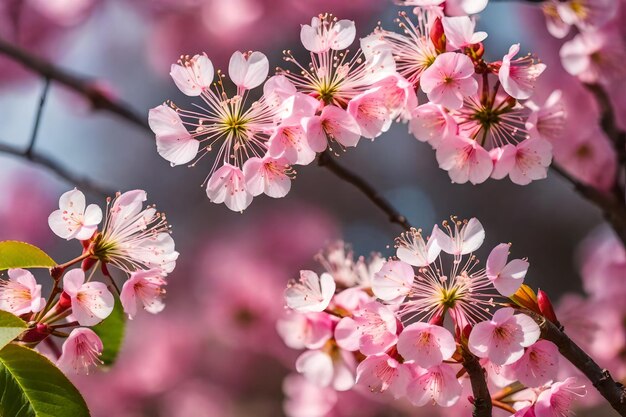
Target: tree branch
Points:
(84, 183)
(480, 390)
(601, 379)
(42, 103)
(81, 85)
(327, 160)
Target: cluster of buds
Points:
(134, 240)
(404, 327)
(475, 118)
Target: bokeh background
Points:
(213, 351)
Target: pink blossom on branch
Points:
(20, 294)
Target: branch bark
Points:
(480, 390)
(81, 85)
(327, 160)
(601, 379)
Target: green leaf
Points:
(31, 386)
(15, 254)
(111, 332)
(10, 327)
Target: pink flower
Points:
(306, 399)
(594, 56)
(193, 75)
(325, 370)
(227, 185)
(547, 121)
(333, 124)
(80, 352)
(372, 330)
(310, 330)
(518, 76)
(412, 249)
(503, 338)
(92, 302)
(464, 159)
(73, 220)
(20, 294)
(134, 237)
(460, 33)
(143, 288)
(311, 293)
(466, 237)
(290, 142)
(449, 80)
(557, 400)
(249, 70)
(370, 112)
(382, 373)
(426, 344)
(393, 281)
(324, 34)
(174, 143)
(507, 277)
(431, 123)
(267, 175)
(538, 366)
(438, 384)
(587, 15)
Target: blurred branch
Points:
(326, 160)
(42, 102)
(612, 207)
(601, 379)
(84, 184)
(81, 85)
(480, 390)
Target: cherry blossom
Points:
(557, 400)
(382, 373)
(249, 70)
(518, 76)
(332, 125)
(412, 249)
(393, 281)
(311, 293)
(438, 384)
(20, 294)
(75, 220)
(449, 80)
(372, 330)
(539, 365)
(325, 370)
(91, 302)
(503, 338)
(507, 277)
(268, 176)
(174, 143)
(135, 238)
(193, 75)
(326, 32)
(227, 185)
(426, 344)
(466, 237)
(143, 289)
(431, 123)
(299, 331)
(80, 352)
(548, 120)
(464, 159)
(460, 33)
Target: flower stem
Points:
(482, 399)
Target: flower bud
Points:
(545, 307)
(36, 334)
(437, 36)
(525, 297)
(65, 301)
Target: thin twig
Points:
(480, 390)
(601, 379)
(327, 160)
(42, 103)
(84, 86)
(84, 183)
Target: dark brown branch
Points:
(480, 390)
(84, 184)
(42, 103)
(327, 160)
(83, 86)
(601, 379)
(613, 209)
(608, 122)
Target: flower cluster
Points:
(404, 327)
(133, 239)
(477, 117)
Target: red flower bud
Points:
(437, 36)
(545, 307)
(65, 301)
